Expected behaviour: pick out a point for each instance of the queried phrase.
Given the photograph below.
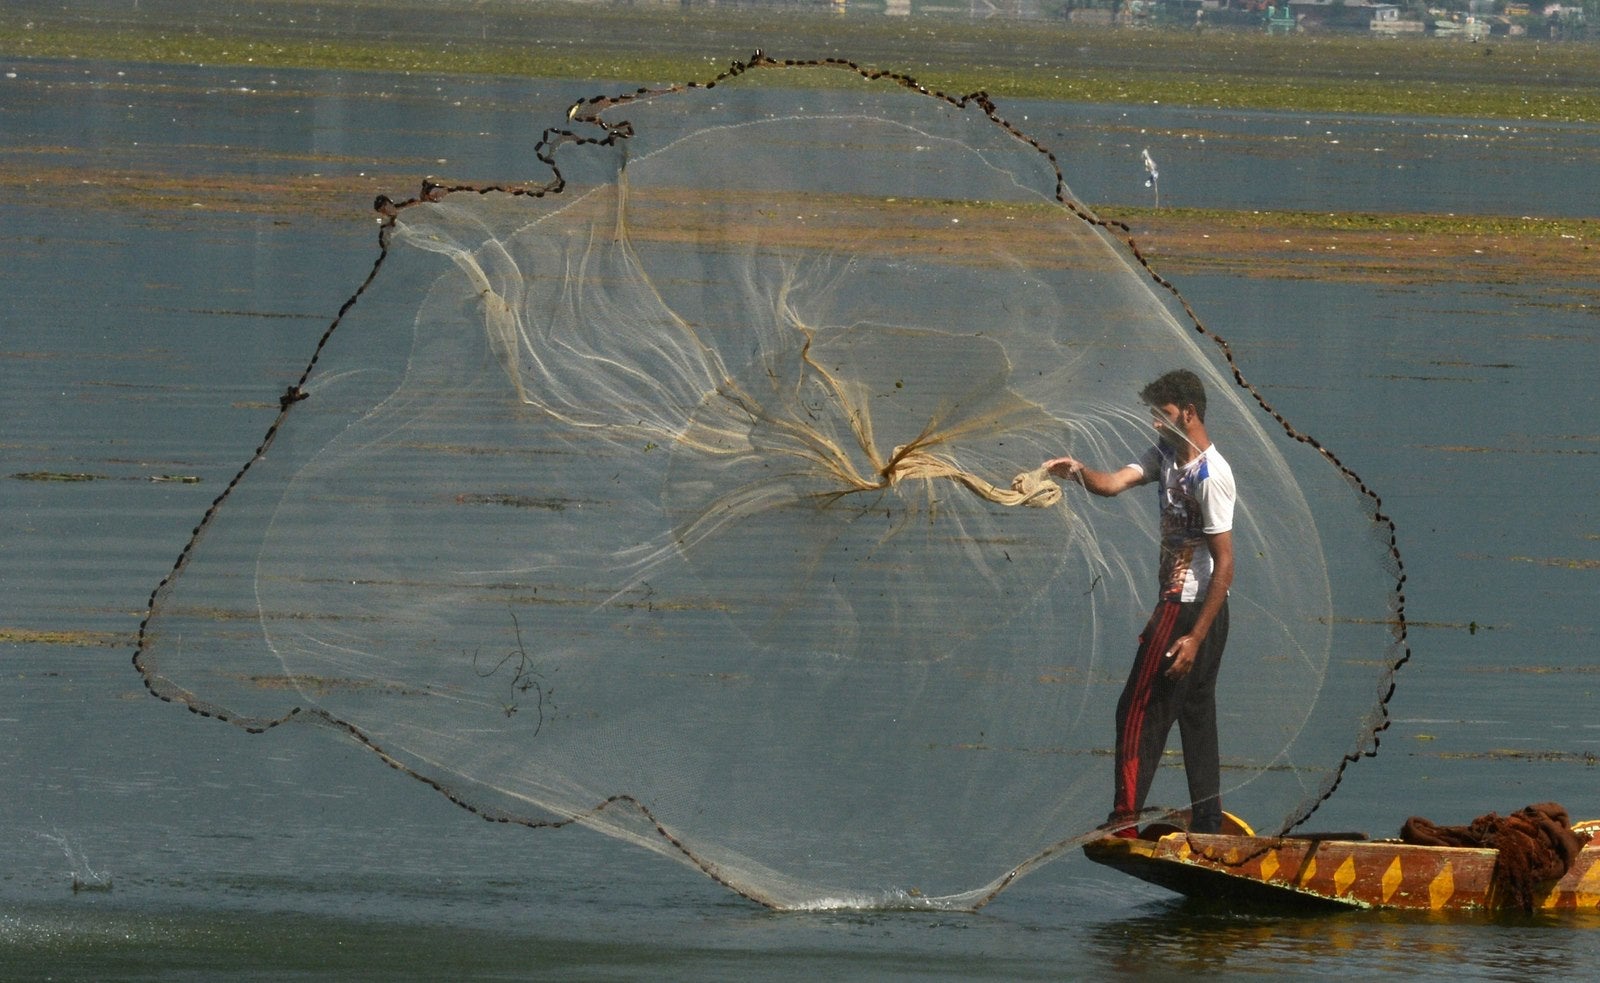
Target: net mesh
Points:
(689, 493)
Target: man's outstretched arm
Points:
(1103, 483)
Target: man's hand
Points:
(1180, 658)
(1069, 468)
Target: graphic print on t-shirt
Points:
(1186, 563)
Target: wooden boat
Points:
(1336, 871)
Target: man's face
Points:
(1168, 420)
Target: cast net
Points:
(689, 493)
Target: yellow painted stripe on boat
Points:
(1391, 879)
(1442, 887)
(1344, 876)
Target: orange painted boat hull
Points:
(1312, 873)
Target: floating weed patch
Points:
(58, 476)
(514, 501)
(78, 476)
(1540, 670)
(323, 685)
(1470, 627)
(1586, 758)
(74, 637)
(87, 183)
(1517, 449)
(1561, 562)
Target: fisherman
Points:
(1174, 674)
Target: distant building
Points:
(1348, 15)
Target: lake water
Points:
(174, 240)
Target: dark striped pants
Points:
(1151, 702)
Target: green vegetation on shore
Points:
(1366, 246)
(648, 45)
(1392, 223)
(357, 55)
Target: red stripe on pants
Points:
(1148, 664)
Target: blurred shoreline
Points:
(660, 43)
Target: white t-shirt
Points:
(1196, 500)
